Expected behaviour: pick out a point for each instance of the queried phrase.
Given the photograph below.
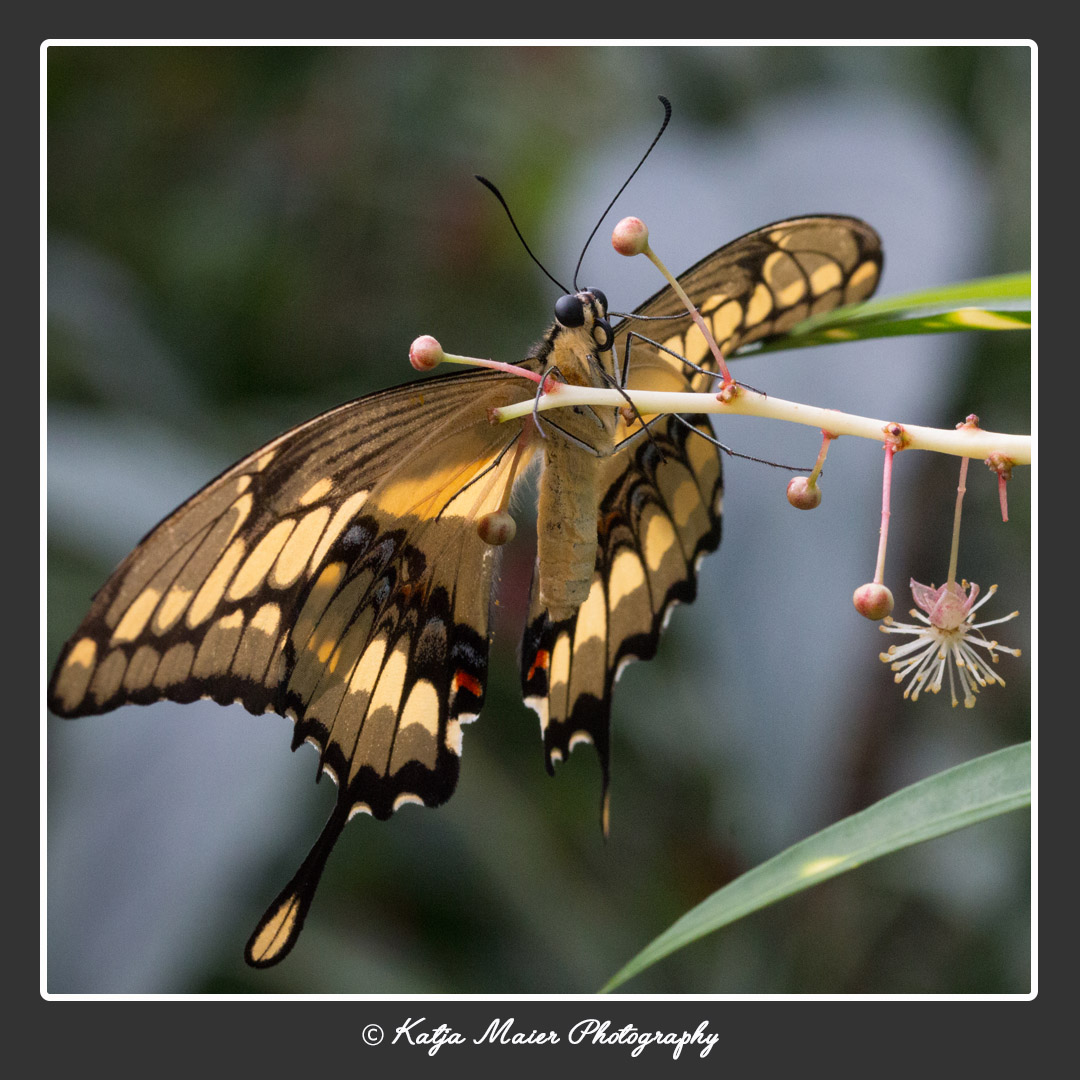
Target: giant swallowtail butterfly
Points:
(337, 575)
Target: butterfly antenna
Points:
(498, 195)
(667, 116)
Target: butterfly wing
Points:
(766, 282)
(334, 576)
(660, 508)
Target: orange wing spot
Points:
(543, 658)
(604, 524)
(464, 679)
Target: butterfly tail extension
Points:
(279, 929)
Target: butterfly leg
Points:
(735, 453)
(580, 443)
(632, 334)
(644, 429)
(636, 436)
(554, 370)
(483, 472)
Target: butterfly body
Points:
(338, 575)
(576, 441)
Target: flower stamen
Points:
(946, 638)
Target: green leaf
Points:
(998, 303)
(961, 796)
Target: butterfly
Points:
(343, 574)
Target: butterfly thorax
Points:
(578, 440)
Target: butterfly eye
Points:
(601, 299)
(602, 335)
(570, 311)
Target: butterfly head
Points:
(586, 310)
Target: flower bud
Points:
(630, 236)
(425, 353)
(496, 528)
(873, 601)
(802, 494)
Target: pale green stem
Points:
(826, 438)
(962, 442)
(960, 490)
(694, 314)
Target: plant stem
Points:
(694, 313)
(954, 553)
(886, 499)
(961, 442)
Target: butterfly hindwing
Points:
(660, 513)
(660, 505)
(394, 663)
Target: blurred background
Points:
(242, 237)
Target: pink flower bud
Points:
(873, 601)
(802, 495)
(630, 236)
(496, 528)
(425, 353)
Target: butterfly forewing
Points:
(212, 602)
(766, 282)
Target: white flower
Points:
(947, 638)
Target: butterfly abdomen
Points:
(566, 530)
